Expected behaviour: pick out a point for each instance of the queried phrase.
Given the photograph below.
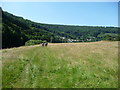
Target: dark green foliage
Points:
(109, 36)
(17, 30)
(33, 42)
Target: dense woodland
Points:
(17, 30)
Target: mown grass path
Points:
(78, 65)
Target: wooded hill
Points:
(17, 30)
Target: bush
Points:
(33, 42)
(44, 41)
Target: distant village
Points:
(77, 40)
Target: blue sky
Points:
(67, 13)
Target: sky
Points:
(66, 13)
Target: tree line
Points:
(17, 30)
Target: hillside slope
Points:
(17, 30)
(63, 65)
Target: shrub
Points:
(33, 42)
(44, 41)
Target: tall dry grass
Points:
(62, 65)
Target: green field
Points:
(62, 65)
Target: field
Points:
(62, 65)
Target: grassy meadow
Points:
(62, 65)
